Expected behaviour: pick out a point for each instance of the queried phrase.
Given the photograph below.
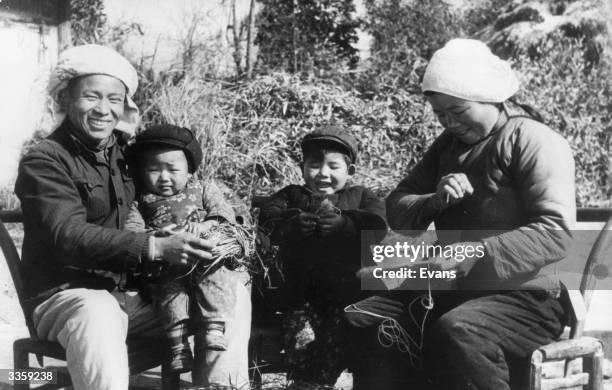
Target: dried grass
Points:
(235, 248)
(251, 130)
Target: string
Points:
(391, 333)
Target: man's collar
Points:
(81, 145)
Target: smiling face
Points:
(327, 174)
(467, 120)
(165, 171)
(94, 105)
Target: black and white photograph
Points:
(306, 194)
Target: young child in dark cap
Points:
(318, 228)
(164, 159)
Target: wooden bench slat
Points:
(571, 348)
(580, 379)
(557, 368)
(11, 216)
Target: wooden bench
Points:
(143, 353)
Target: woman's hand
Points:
(452, 189)
(183, 249)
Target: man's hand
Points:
(307, 223)
(183, 249)
(452, 189)
(330, 223)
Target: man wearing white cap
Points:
(496, 179)
(75, 191)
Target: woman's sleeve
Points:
(409, 206)
(542, 163)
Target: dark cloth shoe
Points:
(181, 359)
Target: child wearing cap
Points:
(164, 159)
(318, 228)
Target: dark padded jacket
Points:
(523, 206)
(364, 211)
(74, 204)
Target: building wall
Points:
(28, 51)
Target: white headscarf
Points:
(89, 60)
(467, 69)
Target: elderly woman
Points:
(75, 190)
(500, 180)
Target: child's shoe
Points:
(181, 359)
(214, 339)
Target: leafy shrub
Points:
(482, 14)
(576, 100)
(306, 35)
(87, 21)
(405, 34)
(420, 25)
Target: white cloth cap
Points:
(89, 60)
(467, 69)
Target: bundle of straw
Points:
(327, 206)
(235, 248)
(323, 204)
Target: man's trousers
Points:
(92, 325)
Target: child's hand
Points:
(199, 228)
(169, 230)
(307, 223)
(208, 225)
(193, 228)
(330, 223)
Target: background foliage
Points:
(306, 35)
(87, 21)
(251, 127)
(576, 100)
